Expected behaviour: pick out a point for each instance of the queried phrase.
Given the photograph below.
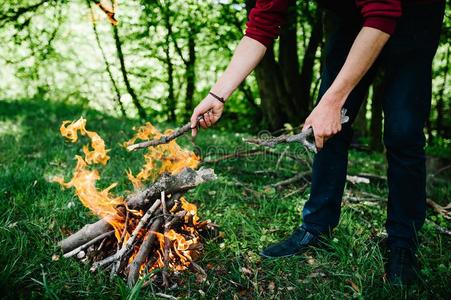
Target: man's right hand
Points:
(209, 111)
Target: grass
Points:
(35, 214)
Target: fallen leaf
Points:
(354, 286)
(246, 271)
(271, 286)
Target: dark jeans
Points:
(406, 61)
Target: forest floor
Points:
(35, 214)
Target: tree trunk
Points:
(439, 125)
(288, 59)
(190, 72)
(273, 92)
(107, 65)
(376, 114)
(305, 95)
(360, 123)
(171, 103)
(120, 55)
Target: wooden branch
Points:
(181, 182)
(291, 180)
(162, 140)
(171, 184)
(166, 242)
(84, 235)
(131, 241)
(143, 252)
(86, 245)
(302, 137)
(148, 241)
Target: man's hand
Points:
(210, 110)
(325, 120)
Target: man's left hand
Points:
(325, 120)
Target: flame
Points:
(100, 202)
(99, 152)
(165, 158)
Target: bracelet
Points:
(221, 99)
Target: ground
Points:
(35, 214)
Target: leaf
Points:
(354, 286)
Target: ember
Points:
(154, 228)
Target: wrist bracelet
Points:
(221, 99)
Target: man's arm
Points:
(325, 118)
(246, 57)
(263, 27)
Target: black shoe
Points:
(300, 240)
(402, 266)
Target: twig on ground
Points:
(165, 296)
(357, 179)
(296, 178)
(281, 157)
(445, 211)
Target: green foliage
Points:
(35, 214)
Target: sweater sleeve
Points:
(380, 14)
(265, 20)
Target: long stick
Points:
(164, 139)
(302, 137)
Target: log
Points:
(84, 235)
(185, 180)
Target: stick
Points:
(146, 246)
(162, 140)
(127, 216)
(291, 180)
(128, 245)
(183, 181)
(165, 296)
(84, 235)
(302, 137)
(86, 245)
(166, 242)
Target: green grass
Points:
(35, 214)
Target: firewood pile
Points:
(152, 230)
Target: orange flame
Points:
(165, 158)
(101, 203)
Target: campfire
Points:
(153, 230)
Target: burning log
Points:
(182, 182)
(152, 229)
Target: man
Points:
(401, 37)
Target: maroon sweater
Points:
(267, 16)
